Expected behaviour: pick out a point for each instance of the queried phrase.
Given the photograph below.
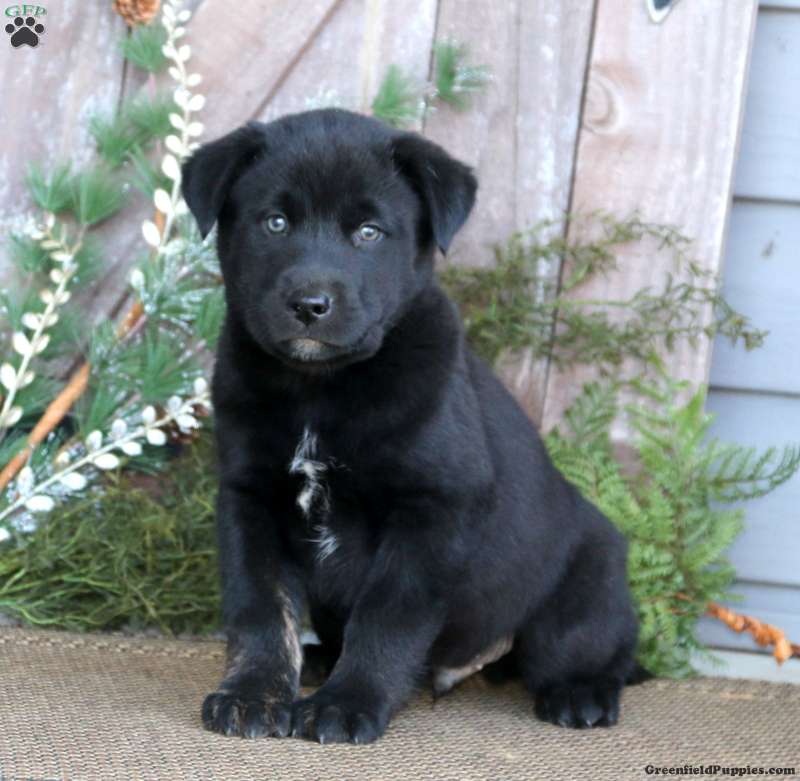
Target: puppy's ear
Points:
(210, 172)
(446, 186)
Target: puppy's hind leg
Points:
(577, 650)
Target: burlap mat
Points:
(86, 707)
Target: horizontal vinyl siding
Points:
(769, 160)
(756, 395)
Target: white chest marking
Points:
(313, 496)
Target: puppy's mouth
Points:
(308, 350)
(312, 354)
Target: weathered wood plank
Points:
(520, 134)
(121, 236)
(50, 92)
(769, 165)
(245, 55)
(350, 54)
(659, 135)
(762, 280)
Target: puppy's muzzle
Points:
(310, 307)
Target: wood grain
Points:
(520, 133)
(49, 93)
(245, 56)
(348, 58)
(659, 135)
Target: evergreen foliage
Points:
(51, 193)
(518, 303)
(398, 102)
(143, 47)
(132, 554)
(455, 78)
(679, 511)
(401, 101)
(96, 195)
(139, 122)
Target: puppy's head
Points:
(328, 224)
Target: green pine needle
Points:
(96, 195)
(139, 553)
(143, 47)
(455, 79)
(398, 102)
(53, 193)
(516, 303)
(150, 116)
(679, 511)
(147, 177)
(210, 315)
(27, 255)
(138, 122)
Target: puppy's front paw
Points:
(233, 713)
(579, 704)
(332, 719)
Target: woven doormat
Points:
(108, 708)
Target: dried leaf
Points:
(119, 428)
(25, 480)
(41, 343)
(94, 441)
(12, 416)
(31, 320)
(74, 481)
(162, 200)
(155, 436)
(106, 461)
(21, 343)
(196, 103)
(170, 167)
(40, 504)
(200, 386)
(131, 448)
(8, 376)
(151, 233)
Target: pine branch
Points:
(455, 79)
(144, 47)
(35, 495)
(156, 233)
(29, 346)
(398, 102)
(53, 194)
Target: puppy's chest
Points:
(320, 482)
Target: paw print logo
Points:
(24, 32)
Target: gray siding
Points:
(756, 396)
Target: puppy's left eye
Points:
(276, 223)
(368, 232)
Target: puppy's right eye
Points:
(276, 223)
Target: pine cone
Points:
(137, 11)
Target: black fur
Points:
(451, 528)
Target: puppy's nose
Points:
(308, 308)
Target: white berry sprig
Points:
(180, 143)
(99, 451)
(62, 252)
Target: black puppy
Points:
(372, 468)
